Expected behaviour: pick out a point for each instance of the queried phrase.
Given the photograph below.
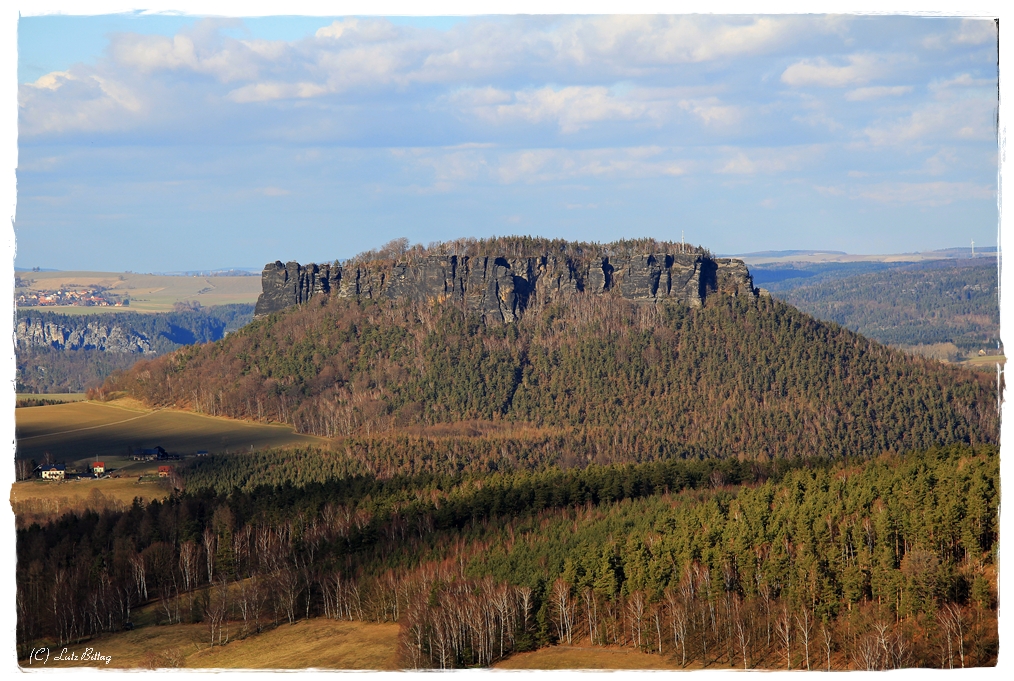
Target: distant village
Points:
(84, 297)
(98, 469)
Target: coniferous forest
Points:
(954, 301)
(738, 485)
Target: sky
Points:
(174, 142)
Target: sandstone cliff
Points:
(35, 332)
(500, 287)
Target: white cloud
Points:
(571, 108)
(928, 194)
(829, 191)
(59, 102)
(52, 81)
(965, 80)
(266, 92)
(546, 165)
(711, 111)
(976, 32)
(360, 30)
(940, 162)
(202, 52)
(575, 108)
(864, 94)
(964, 119)
(859, 69)
(643, 40)
(969, 32)
(456, 166)
(766, 161)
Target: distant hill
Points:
(625, 380)
(70, 353)
(782, 254)
(801, 256)
(942, 302)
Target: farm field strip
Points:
(78, 430)
(83, 431)
(318, 643)
(63, 397)
(148, 293)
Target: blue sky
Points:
(157, 143)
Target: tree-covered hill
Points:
(750, 378)
(952, 301)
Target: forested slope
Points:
(942, 302)
(888, 563)
(738, 377)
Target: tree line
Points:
(787, 564)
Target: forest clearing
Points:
(43, 500)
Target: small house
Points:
(153, 454)
(99, 467)
(54, 472)
(163, 471)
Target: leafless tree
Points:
(563, 607)
(866, 652)
(764, 591)
(524, 595)
(826, 640)
(743, 630)
(804, 625)
(210, 549)
(137, 568)
(951, 618)
(783, 627)
(635, 617)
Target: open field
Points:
(115, 489)
(578, 657)
(78, 432)
(148, 293)
(319, 643)
(988, 361)
(42, 501)
(52, 397)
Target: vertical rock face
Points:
(500, 288)
(33, 332)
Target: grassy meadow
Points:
(590, 657)
(42, 500)
(79, 432)
(148, 292)
(318, 643)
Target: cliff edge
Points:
(500, 288)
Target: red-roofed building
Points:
(99, 467)
(163, 471)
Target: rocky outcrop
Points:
(500, 288)
(35, 332)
